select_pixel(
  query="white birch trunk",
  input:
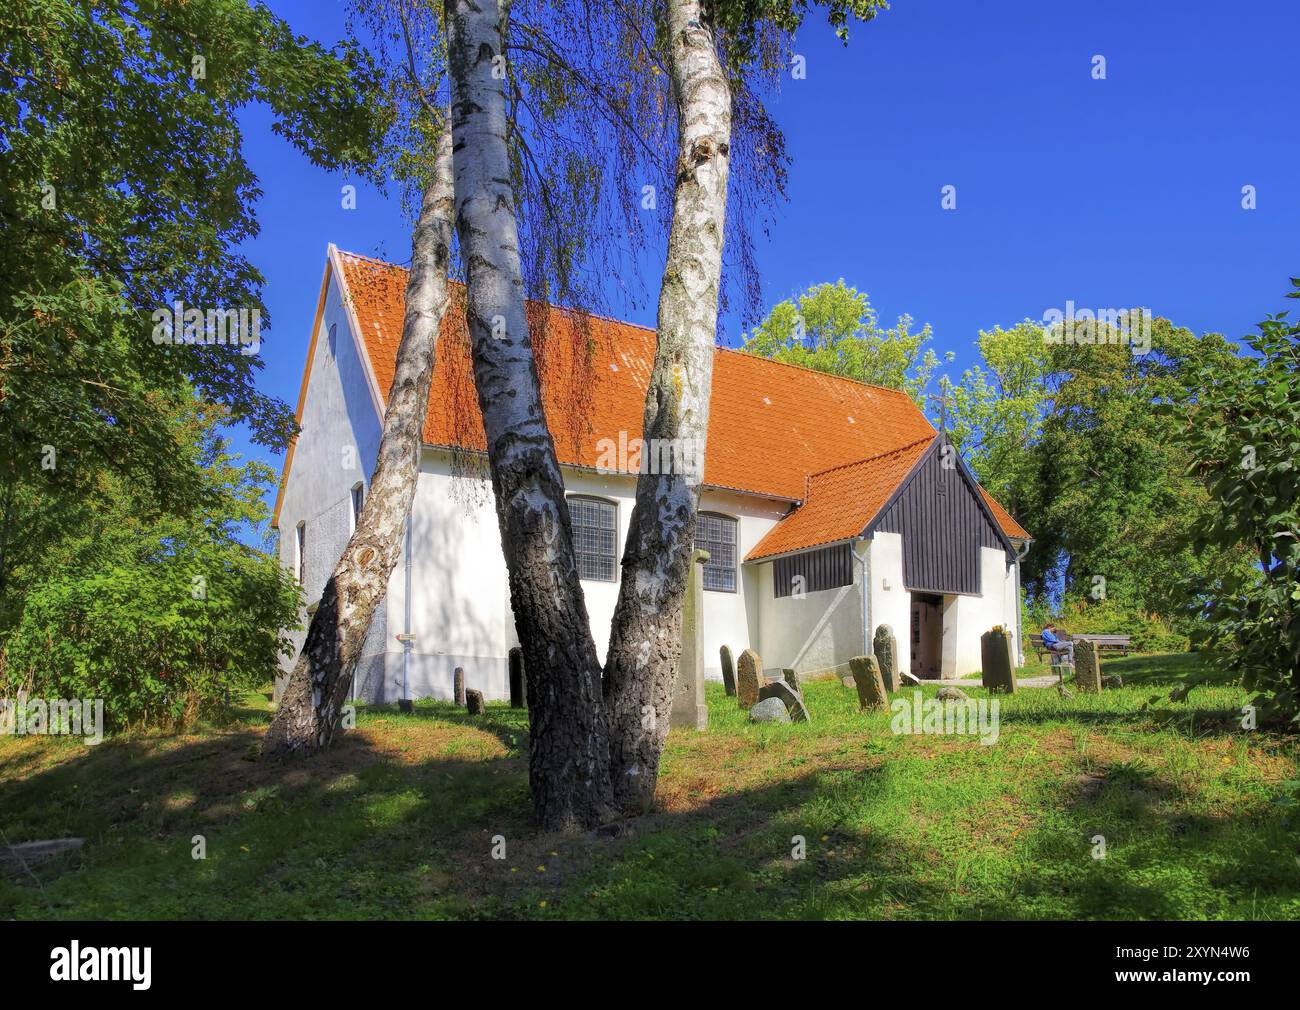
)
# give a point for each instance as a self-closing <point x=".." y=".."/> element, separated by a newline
<point x="645" y="640"/>
<point x="568" y="749"/>
<point x="313" y="701"/>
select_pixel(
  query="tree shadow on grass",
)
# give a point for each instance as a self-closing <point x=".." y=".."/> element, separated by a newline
<point x="369" y="830"/>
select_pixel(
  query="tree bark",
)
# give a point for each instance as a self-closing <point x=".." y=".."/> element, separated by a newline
<point x="318" y="688"/>
<point x="568" y="751"/>
<point x="645" y="640"/>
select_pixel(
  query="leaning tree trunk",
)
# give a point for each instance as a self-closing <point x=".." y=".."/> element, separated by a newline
<point x="645" y="640"/>
<point x="568" y="766"/>
<point x="318" y="687"/>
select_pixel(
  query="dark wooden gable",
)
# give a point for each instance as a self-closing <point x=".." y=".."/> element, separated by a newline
<point x="944" y="522"/>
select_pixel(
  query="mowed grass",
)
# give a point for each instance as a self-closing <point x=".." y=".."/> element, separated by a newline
<point x="401" y="818"/>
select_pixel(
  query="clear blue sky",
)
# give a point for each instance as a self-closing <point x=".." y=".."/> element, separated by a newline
<point x="1118" y="193"/>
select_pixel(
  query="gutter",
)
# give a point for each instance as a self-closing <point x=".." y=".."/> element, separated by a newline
<point x="1021" y="550"/>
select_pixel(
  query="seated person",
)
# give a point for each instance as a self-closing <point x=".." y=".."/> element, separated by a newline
<point x="1054" y="645"/>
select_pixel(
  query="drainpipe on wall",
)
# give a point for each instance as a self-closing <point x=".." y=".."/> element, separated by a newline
<point x="865" y="560"/>
<point x="1021" y="551"/>
<point x="408" y="638"/>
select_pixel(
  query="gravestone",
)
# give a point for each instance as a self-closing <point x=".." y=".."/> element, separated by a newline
<point x="792" y="678"/>
<point x="474" y="702"/>
<point x="728" y="672"/>
<point x="518" y="683"/>
<point x="749" y="678"/>
<point x="769" y="710"/>
<point x="997" y="668"/>
<point x="867" y="679"/>
<point x="1087" y="667"/>
<point x="789" y="697"/>
<point x="458" y="685"/>
<point x="689" y="710"/>
<point x="885" y="647"/>
<point x="952" y="694"/>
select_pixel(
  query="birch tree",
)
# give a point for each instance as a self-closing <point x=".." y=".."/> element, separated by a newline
<point x="568" y="757"/>
<point x="318" y="687"/>
<point x="645" y="640"/>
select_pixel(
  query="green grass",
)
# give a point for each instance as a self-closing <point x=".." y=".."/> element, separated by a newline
<point x="399" y="819"/>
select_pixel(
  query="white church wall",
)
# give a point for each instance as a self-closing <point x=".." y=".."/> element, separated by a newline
<point x="891" y="603"/>
<point x="817" y="632"/>
<point x="732" y="619"/>
<point x="336" y="448"/>
<point x="460" y="593"/>
<point x="973" y="615"/>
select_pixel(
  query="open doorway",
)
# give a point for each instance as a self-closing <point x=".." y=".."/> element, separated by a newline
<point x="927" y="635"/>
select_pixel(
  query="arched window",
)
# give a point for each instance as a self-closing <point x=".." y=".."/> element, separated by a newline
<point x="717" y="534"/>
<point x="595" y="537"/>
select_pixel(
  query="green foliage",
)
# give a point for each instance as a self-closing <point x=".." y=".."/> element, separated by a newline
<point x="163" y="617"/>
<point x="1240" y="425"/>
<point x="998" y="407"/>
<point x="833" y="328"/>
<point x="1083" y="616"/>
<point x="123" y="162"/>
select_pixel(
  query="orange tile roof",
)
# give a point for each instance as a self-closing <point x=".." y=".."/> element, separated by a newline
<point x="841" y="502"/>
<point x="1008" y="523"/>
<point x="771" y="425"/>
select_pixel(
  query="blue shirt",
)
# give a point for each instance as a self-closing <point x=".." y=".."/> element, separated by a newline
<point x="1049" y="638"/>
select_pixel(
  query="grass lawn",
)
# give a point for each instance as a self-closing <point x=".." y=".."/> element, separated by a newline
<point x="1199" y="818"/>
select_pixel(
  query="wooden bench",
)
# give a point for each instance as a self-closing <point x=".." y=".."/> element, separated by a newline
<point x="1121" y="644"/>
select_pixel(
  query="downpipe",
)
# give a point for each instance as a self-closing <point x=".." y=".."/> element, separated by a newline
<point x="864" y="559"/>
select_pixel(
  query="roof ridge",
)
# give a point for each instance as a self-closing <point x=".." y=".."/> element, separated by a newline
<point x="868" y="459"/>
<point x="652" y="329"/>
<point x="816" y="371"/>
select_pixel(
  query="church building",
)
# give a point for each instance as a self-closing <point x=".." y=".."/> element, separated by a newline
<point x="828" y="508"/>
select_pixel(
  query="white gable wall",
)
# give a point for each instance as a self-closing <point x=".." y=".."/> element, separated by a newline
<point x="339" y="413"/>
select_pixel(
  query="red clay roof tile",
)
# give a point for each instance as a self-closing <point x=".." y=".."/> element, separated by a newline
<point x="771" y="425"/>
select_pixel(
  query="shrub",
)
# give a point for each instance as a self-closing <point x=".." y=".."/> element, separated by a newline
<point x="163" y="635"/>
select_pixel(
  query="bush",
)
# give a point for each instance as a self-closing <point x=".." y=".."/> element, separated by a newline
<point x="162" y="636"/>
<point x="1083" y="616"/>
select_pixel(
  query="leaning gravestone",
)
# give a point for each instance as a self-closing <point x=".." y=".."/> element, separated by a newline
<point x="689" y="710"/>
<point x="728" y="671"/>
<point x="518" y="684"/>
<point x="458" y="686"/>
<point x="749" y="677"/>
<point x="997" y="668"/>
<point x="792" y="678"/>
<point x="885" y="647"/>
<point x="1087" y="667"/>
<point x="870" y="685"/>
<point x="474" y="702"/>
<point x="789" y="697"/>
<point x="769" y="710"/>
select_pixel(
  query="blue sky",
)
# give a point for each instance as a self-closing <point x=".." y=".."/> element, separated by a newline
<point x="1112" y="193"/>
